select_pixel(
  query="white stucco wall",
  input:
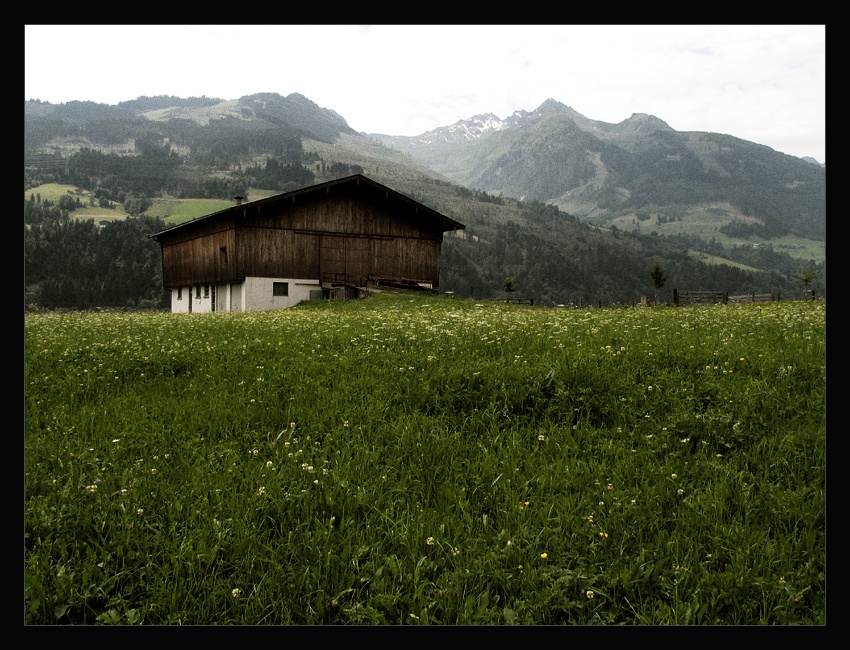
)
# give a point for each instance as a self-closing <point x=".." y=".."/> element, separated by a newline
<point x="259" y="293"/>
<point x="227" y="297"/>
<point x="181" y="305"/>
<point x="189" y="301"/>
<point x="254" y="294"/>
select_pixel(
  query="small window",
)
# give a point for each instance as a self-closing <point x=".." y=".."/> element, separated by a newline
<point x="223" y="253"/>
<point x="179" y="293"/>
<point x="280" y="289"/>
<point x="206" y="291"/>
<point x="197" y="291"/>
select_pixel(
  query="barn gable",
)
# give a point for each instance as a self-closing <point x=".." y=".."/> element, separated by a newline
<point x="303" y="244"/>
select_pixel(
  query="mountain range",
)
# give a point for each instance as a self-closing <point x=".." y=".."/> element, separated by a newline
<point x="550" y="183"/>
<point x="610" y="173"/>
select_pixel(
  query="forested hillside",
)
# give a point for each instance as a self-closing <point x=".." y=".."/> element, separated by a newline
<point x="80" y="264"/>
<point x="557" y="259"/>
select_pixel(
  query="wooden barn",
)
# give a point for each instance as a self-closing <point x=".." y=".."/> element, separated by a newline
<point x="324" y="241"/>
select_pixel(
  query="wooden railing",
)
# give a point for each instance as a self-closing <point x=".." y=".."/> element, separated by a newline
<point x="341" y="279"/>
<point x="402" y="283"/>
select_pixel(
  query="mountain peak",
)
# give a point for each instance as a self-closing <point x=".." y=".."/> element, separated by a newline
<point x="554" y="107"/>
<point x="646" y="121"/>
<point x="551" y="105"/>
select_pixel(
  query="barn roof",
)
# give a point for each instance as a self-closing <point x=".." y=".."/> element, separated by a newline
<point x="356" y="179"/>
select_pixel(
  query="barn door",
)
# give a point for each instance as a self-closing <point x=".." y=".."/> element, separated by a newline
<point x="344" y="260"/>
<point x="332" y="267"/>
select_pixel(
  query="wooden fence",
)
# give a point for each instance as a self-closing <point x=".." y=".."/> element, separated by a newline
<point x="700" y="297"/>
<point x="755" y="297"/>
<point x="719" y="297"/>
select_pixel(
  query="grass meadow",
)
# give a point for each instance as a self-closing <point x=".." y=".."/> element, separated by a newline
<point x="416" y="459"/>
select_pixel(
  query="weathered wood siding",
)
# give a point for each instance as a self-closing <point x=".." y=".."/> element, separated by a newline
<point x="346" y="231"/>
<point x="205" y="255"/>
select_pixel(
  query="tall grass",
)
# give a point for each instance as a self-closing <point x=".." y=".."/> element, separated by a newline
<point x="412" y="459"/>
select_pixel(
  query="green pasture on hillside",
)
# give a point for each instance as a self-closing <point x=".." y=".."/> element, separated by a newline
<point x="175" y="211"/>
<point x="53" y="192"/>
<point x="171" y="210"/>
<point x="415" y="459"/>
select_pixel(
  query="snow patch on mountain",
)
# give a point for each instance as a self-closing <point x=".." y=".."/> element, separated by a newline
<point x="470" y="129"/>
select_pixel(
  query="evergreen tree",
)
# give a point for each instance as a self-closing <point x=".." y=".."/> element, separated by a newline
<point x="659" y="277"/>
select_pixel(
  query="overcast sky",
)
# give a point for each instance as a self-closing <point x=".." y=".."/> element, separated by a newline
<point x="766" y="84"/>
